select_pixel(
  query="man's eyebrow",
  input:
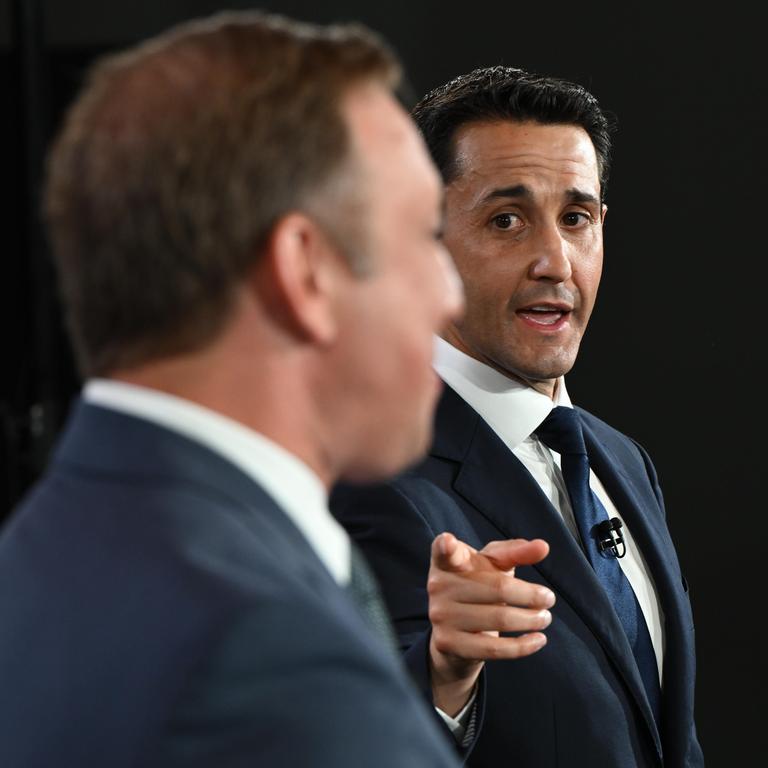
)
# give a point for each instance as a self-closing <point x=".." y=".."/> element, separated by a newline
<point x="580" y="196"/>
<point x="572" y="195"/>
<point x="518" y="190"/>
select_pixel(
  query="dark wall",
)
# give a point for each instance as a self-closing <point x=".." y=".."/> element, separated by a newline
<point x="674" y="352"/>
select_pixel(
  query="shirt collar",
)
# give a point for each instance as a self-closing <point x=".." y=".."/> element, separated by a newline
<point x="297" y="490"/>
<point x="512" y="409"/>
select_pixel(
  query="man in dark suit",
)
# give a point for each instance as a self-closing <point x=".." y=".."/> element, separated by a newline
<point x="525" y="162"/>
<point x="244" y="223"/>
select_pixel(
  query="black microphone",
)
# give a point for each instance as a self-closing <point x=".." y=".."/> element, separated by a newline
<point x="609" y="538"/>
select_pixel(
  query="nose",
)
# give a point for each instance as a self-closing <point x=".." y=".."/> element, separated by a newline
<point x="454" y="287"/>
<point x="551" y="256"/>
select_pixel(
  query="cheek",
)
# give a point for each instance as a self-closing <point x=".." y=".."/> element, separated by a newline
<point x="491" y="264"/>
<point x="469" y="257"/>
<point x="489" y="291"/>
<point x="587" y="279"/>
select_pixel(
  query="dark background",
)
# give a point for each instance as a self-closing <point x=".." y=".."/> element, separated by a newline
<point x="676" y="344"/>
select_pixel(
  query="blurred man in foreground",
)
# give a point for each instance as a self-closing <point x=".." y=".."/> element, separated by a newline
<point x="245" y="226"/>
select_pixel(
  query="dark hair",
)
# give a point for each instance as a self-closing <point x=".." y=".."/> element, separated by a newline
<point x="504" y="93"/>
<point x="177" y="159"/>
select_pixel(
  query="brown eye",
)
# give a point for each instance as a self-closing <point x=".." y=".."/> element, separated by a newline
<point x="574" y="218"/>
<point x="505" y="220"/>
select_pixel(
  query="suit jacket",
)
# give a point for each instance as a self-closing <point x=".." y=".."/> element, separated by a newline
<point x="579" y="701"/>
<point x="158" y="609"/>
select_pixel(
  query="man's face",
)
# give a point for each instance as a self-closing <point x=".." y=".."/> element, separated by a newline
<point x="524" y="226"/>
<point x="412" y="291"/>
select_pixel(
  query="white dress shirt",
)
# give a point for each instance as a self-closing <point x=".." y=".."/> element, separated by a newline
<point x="513" y="411"/>
<point x="296" y="489"/>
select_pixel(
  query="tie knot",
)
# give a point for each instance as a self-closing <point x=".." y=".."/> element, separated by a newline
<point x="561" y="431"/>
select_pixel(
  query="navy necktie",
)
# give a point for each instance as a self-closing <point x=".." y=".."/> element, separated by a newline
<point x="561" y="431"/>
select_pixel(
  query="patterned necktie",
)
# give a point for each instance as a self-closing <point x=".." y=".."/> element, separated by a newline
<point x="561" y="431"/>
<point x="364" y="590"/>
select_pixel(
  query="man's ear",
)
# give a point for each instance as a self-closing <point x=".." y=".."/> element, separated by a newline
<point x="603" y="213"/>
<point x="298" y="278"/>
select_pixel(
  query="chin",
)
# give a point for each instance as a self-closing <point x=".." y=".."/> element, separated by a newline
<point x="546" y="369"/>
<point x="549" y="374"/>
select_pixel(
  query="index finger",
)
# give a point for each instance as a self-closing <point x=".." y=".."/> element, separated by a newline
<point x="507" y="554"/>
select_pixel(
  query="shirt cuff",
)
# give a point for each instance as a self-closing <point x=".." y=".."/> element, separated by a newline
<point x="458" y="724"/>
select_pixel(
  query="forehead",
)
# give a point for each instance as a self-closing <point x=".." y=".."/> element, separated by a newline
<point x="503" y="153"/>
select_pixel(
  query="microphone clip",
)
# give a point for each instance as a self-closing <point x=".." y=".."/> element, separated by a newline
<point x="609" y="538"/>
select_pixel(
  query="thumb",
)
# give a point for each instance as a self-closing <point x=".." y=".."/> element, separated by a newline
<point x="507" y="554"/>
<point x="450" y="554"/>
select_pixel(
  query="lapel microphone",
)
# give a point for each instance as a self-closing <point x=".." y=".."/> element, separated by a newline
<point x="609" y="538"/>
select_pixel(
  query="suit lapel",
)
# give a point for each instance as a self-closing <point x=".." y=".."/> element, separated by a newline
<point x="648" y="530"/>
<point x="644" y="518"/>
<point x="489" y="474"/>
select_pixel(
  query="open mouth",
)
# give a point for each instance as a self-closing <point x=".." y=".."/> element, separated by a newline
<point x="545" y="315"/>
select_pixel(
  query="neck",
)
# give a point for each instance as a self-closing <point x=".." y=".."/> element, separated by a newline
<point x="546" y="387"/>
<point x="254" y="395"/>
